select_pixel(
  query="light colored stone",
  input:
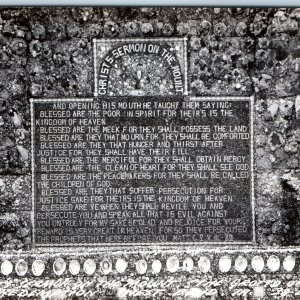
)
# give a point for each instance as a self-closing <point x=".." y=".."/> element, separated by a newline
<point x="273" y="263"/>
<point x="286" y="107"/>
<point x="105" y="266"/>
<point x="297" y="107"/>
<point x="259" y="292"/>
<point x="89" y="266"/>
<point x="289" y="263"/>
<point x="23" y="152"/>
<point x="121" y="265"/>
<point x="2" y="185"/>
<point x="6" y="267"/>
<point x="241" y="264"/>
<point x="17" y="119"/>
<point x="273" y="109"/>
<point x="59" y="266"/>
<point x="204" y="264"/>
<point x="141" y="266"/>
<point x="188" y="264"/>
<point x="38" y="267"/>
<point x="156" y="266"/>
<point x="172" y="264"/>
<point x="74" y="267"/>
<point x="21" y="267"/>
<point x="257" y="263"/>
<point x="225" y="264"/>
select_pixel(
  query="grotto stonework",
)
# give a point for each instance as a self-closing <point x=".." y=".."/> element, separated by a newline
<point x="254" y="53"/>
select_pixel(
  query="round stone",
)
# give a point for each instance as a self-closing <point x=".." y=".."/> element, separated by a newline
<point x="6" y="267"/>
<point x="89" y="267"/>
<point x="241" y="264"/>
<point x="21" y="267"/>
<point x="105" y="266"/>
<point x="225" y="264"/>
<point x="59" y="266"/>
<point x="141" y="266"/>
<point x="257" y="263"/>
<point x="38" y="267"/>
<point x="156" y="266"/>
<point x="17" y="185"/>
<point x="74" y="267"/>
<point x="289" y="263"/>
<point x="188" y="264"/>
<point x="172" y="264"/>
<point x="204" y="264"/>
<point x="273" y="263"/>
<point x="121" y="265"/>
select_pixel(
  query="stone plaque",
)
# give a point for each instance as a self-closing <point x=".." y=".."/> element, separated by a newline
<point x="142" y="170"/>
<point x="156" y="66"/>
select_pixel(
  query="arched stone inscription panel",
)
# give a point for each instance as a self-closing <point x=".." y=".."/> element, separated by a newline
<point x="140" y="67"/>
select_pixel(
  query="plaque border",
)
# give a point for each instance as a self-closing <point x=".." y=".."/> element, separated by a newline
<point x="179" y="39"/>
<point x="154" y="244"/>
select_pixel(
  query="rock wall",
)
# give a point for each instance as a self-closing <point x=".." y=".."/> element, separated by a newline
<point x="47" y="53"/>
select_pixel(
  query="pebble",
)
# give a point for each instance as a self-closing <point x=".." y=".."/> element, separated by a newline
<point x="2" y="185"/>
<point x="23" y="152"/>
<point x="17" y="119"/>
<point x="273" y="109"/>
<point x="297" y="107"/>
<point x="50" y="63"/>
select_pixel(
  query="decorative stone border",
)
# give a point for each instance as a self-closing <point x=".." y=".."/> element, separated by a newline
<point x="206" y="262"/>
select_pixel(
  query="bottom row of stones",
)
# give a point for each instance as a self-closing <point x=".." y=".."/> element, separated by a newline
<point x="141" y="266"/>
